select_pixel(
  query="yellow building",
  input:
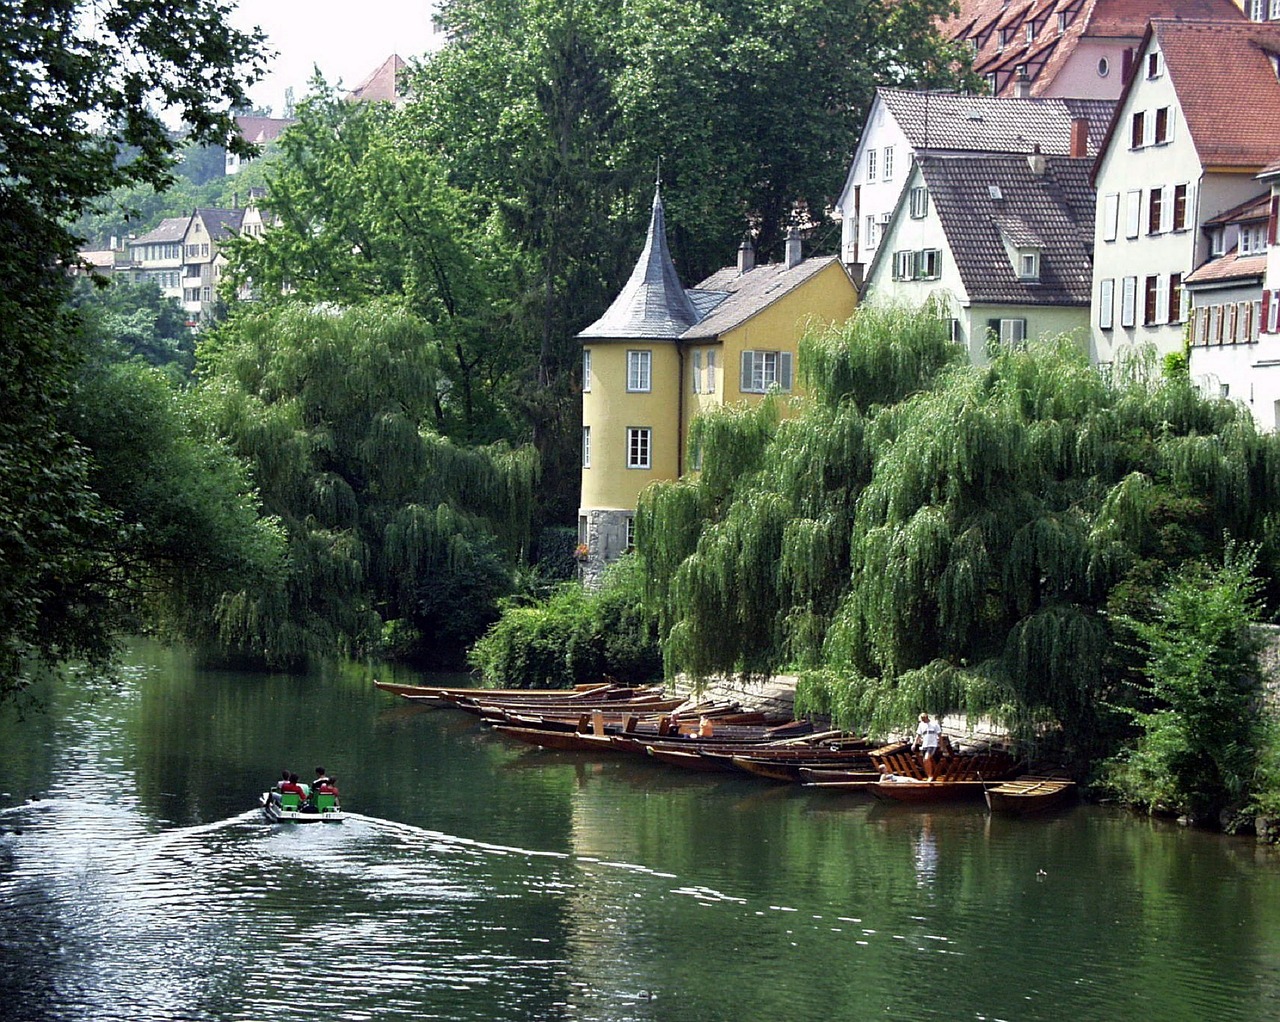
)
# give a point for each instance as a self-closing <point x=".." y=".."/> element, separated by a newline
<point x="662" y="353"/>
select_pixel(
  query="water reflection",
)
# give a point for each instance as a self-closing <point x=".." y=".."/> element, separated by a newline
<point x="477" y="879"/>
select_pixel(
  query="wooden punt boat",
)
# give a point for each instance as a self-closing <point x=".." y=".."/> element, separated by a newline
<point x="1030" y="794"/>
<point x="687" y="759"/>
<point x="616" y="708"/>
<point x="917" y="791"/>
<point x="562" y="741"/>
<point x="446" y="694"/>
<point x="827" y="775"/>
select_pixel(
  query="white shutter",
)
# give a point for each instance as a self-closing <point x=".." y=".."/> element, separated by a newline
<point x="1133" y="214"/>
<point x="1162" y="299"/>
<point x="784" y="370"/>
<point x="1110" y="216"/>
<point x="744" y="379"/>
<point x="697" y="372"/>
<point x="1128" y="300"/>
<point x="1166" y="208"/>
<point x="1106" y="304"/>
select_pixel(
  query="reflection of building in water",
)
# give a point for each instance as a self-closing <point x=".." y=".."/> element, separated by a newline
<point x="926" y="853"/>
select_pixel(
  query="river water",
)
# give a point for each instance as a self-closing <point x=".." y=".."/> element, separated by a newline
<point x="475" y="879"/>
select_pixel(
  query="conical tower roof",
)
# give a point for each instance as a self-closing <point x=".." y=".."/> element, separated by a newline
<point x="653" y="305"/>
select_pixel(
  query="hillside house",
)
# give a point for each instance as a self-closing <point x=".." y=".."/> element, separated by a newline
<point x="661" y="354"/>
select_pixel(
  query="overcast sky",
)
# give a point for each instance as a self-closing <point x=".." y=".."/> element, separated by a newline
<point x="347" y="38"/>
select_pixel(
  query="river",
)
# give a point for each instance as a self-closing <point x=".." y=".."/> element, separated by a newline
<point x="475" y="879"/>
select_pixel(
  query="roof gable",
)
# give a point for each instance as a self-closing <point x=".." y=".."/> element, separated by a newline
<point x="382" y="84"/>
<point x="1225" y="77"/>
<point x="747" y="294"/>
<point x="987" y="203"/>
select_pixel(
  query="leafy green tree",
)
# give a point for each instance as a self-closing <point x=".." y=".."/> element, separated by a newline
<point x="574" y="636"/>
<point x="335" y="411"/>
<point x="1204" y="729"/>
<point x="360" y="214"/>
<point x="928" y="534"/>
<point x="136" y="320"/>
<point x="67" y="69"/>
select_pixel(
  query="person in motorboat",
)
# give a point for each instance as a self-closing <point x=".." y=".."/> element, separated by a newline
<point x="279" y="786"/>
<point x="322" y="777"/>
<point x="291" y="786"/>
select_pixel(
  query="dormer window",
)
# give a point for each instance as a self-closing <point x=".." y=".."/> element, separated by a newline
<point x="1062" y="22"/>
<point x="1003" y="40"/>
<point x="1154" y="66"/>
<point x="1028" y="264"/>
<point x="1031" y="32"/>
<point x="1217" y="241"/>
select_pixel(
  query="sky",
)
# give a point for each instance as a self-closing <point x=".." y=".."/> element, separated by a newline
<point x="348" y="39"/>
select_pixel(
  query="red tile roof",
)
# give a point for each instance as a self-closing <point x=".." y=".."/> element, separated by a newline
<point x="261" y="130"/>
<point x="1225" y="77"/>
<point x="1046" y="55"/>
<point x="1257" y="208"/>
<point x="1229" y="267"/>
<point x="383" y="84"/>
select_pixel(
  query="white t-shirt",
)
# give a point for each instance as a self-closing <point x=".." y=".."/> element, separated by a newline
<point x="929" y="730"/>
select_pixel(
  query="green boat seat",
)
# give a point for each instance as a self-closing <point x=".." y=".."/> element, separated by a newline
<point x="290" y="801"/>
<point x="326" y="803"/>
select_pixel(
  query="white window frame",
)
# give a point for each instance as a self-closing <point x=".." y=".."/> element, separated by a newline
<point x="1273" y="10"/>
<point x="1106" y="303"/>
<point x="631" y="532"/>
<point x="586" y="446"/>
<point x="1257" y="10"/>
<point x="762" y="371"/>
<point x="904" y="264"/>
<point x="1028" y="265"/>
<point x="919" y="202"/>
<point x="1128" y="301"/>
<point x="871" y="164"/>
<point x="639" y="371"/>
<point x="586" y="370"/>
<point x="639" y="447"/>
<point x="871" y="230"/>
<point x="886" y="173"/>
<point x="1155" y="66"/>
<point x="710" y="387"/>
<point x="929" y="264"/>
<point x="1013" y="331"/>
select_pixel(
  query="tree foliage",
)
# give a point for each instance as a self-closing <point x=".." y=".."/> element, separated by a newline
<point x="334" y="409"/>
<point x="79" y="84"/>
<point x="1202" y="727"/>
<point x="928" y="534"/>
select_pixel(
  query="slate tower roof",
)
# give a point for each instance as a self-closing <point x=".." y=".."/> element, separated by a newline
<point x="653" y="304"/>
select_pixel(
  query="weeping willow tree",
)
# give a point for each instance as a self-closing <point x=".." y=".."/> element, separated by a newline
<point x="387" y="521"/>
<point x="926" y="534"/>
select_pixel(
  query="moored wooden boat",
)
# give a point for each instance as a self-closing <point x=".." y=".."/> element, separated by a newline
<point x="826" y="775"/>
<point x="914" y="790"/>
<point x="1030" y="794"/>
<point x="445" y="693"/>
<point x="563" y="741"/>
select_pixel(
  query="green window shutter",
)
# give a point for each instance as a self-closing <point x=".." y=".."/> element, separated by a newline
<point x="784" y="370"/>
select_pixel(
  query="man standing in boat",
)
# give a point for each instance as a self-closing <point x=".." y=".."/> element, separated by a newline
<point x="928" y="733"/>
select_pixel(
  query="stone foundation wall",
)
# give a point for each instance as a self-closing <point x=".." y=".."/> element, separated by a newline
<point x="606" y="541"/>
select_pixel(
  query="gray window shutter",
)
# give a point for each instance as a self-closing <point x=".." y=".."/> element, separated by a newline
<point x="784" y="370"/>
<point x="744" y="380"/>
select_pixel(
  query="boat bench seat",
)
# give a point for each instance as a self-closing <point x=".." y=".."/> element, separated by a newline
<point x="326" y="803"/>
<point x="290" y="801"/>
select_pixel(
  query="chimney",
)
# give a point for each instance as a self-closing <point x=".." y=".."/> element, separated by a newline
<point x="1022" y="83"/>
<point x="793" y="247"/>
<point x="1036" y="161"/>
<point x="746" y="256"/>
<point x="1079" y="138"/>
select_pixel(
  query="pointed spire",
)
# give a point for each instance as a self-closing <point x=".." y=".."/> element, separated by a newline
<point x="653" y="303"/>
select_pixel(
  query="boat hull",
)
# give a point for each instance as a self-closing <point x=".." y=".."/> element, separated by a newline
<point x="924" y="792"/>
<point x="1030" y="795"/>
<point x="275" y="814"/>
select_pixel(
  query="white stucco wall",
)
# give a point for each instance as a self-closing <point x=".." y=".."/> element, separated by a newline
<point x="862" y="198"/>
<point x="1079" y="77"/>
<point x="1250" y="372"/>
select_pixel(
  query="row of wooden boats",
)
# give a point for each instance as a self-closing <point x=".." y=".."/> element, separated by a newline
<point x="706" y="735"/>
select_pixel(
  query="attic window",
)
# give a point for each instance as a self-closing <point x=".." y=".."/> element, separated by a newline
<point x="1062" y="22"/>
<point x="1031" y="32"/>
<point x="1028" y="264"/>
<point x="993" y="191"/>
<point x="1153" y="65"/>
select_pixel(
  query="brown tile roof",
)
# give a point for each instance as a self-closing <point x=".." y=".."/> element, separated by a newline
<point x="1227" y="86"/>
<point x="383" y="84"/>
<point x="221" y="223"/>
<point x="1257" y="208"/>
<point x="1229" y="267"/>
<point x="171" y="229"/>
<point x="982" y="200"/>
<point x="261" y="130"/>
<point x="1048" y="52"/>
<point x="746" y="294"/>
